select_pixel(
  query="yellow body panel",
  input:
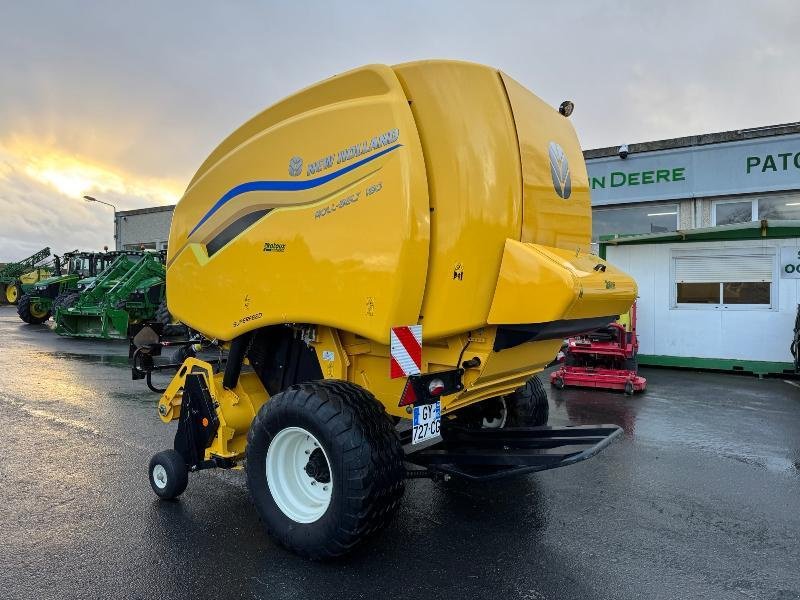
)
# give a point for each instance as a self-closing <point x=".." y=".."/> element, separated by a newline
<point x="549" y="219"/>
<point x="365" y="362"/>
<point x="236" y="408"/>
<point x="579" y="286"/>
<point x="345" y="241"/>
<point x="436" y="193"/>
<point x="34" y="276"/>
<point x="472" y="162"/>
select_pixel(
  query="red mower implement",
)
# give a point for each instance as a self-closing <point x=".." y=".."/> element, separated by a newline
<point x="604" y="359"/>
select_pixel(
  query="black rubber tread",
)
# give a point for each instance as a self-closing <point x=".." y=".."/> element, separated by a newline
<point x="24" y="311"/>
<point x="528" y="406"/>
<point x="163" y="315"/>
<point x="366" y="459"/>
<point x="177" y="474"/>
<point x="181" y="354"/>
<point x="64" y="300"/>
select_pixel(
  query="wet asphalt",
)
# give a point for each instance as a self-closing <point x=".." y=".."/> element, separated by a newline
<point x="700" y="499"/>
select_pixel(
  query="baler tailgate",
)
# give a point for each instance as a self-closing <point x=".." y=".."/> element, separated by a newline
<point x="486" y="454"/>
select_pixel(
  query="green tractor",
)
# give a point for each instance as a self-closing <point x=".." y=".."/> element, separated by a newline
<point x="16" y="278"/>
<point x="129" y="291"/>
<point x="74" y="271"/>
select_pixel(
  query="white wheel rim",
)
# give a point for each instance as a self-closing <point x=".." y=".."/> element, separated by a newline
<point x="160" y="477"/>
<point x="496" y="423"/>
<point x="301" y="497"/>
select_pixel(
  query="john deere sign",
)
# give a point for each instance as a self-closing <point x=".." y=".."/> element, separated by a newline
<point x="621" y="178"/>
<point x="750" y="166"/>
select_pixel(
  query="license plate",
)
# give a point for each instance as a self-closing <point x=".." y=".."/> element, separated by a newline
<point x="427" y="422"/>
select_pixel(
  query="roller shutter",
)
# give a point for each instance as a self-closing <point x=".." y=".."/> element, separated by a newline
<point x="724" y="268"/>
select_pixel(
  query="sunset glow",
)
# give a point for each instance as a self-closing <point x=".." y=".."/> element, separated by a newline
<point x="74" y="176"/>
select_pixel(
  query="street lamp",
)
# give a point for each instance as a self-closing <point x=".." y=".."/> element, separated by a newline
<point x="93" y="199"/>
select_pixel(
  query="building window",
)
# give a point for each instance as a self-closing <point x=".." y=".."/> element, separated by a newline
<point x="646" y="218"/>
<point x="735" y="279"/>
<point x="746" y="292"/>
<point x="779" y="208"/>
<point x="726" y="212"/>
<point x="140" y="246"/>
<point x="698" y="293"/>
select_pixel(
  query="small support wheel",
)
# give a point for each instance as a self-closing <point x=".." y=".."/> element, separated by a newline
<point x="629" y="388"/>
<point x="558" y="383"/>
<point x="168" y="474"/>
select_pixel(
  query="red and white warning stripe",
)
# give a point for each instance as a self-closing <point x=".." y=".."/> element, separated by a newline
<point x="406" y="351"/>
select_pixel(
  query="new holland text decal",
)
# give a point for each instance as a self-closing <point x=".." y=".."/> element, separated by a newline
<point x="354" y="151"/>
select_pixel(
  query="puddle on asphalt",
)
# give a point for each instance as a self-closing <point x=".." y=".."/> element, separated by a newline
<point x="719" y="430"/>
<point x="142" y="396"/>
<point x="105" y="359"/>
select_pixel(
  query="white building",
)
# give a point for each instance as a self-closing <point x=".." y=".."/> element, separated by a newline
<point x="723" y="297"/>
<point x="146" y="228"/>
<point x="716" y="258"/>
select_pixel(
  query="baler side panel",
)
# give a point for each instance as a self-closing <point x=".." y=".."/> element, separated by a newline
<point x="549" y="219"/>
<point x="341" y="241"/>
<point x="474" y="182"/>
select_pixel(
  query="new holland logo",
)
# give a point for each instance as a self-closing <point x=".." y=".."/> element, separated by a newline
<point x="295" y="166"/>
<point x="559" y="169"/>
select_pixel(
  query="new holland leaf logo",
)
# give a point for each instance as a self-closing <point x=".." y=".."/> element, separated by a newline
<point x="295" y="166"/>
<point x="559" y="169"/>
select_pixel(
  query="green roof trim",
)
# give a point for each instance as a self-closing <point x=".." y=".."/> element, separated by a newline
<point x="753" y="230"/>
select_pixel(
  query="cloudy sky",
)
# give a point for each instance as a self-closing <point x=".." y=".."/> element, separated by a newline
<point x="123" y="101"/>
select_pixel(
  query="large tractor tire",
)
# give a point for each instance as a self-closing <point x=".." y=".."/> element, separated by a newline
<point x="163" y="316"/>
<point x="13" y="292"/>
<point x="64" y="300"/>
<point x="31" y="312"/>
<point x="324" y="467"/>
<point x="526" y="407"/>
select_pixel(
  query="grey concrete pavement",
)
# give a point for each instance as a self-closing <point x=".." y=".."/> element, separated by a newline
<point x="701" y="499"/>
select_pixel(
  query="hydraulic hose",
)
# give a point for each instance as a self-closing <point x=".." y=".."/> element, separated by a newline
<point x="233" y="367"/>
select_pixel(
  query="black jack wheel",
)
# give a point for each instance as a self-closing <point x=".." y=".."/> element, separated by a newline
<point x="168" y="474"/>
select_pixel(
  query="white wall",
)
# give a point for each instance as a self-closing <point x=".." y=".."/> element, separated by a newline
<point x="748" y="334"/>
<point x="143" y="228"/>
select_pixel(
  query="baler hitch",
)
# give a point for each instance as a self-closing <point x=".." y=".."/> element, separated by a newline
<point x="146" y="343"/>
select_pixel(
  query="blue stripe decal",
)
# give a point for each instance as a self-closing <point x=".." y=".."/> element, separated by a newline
<point x="286" y="186"/>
